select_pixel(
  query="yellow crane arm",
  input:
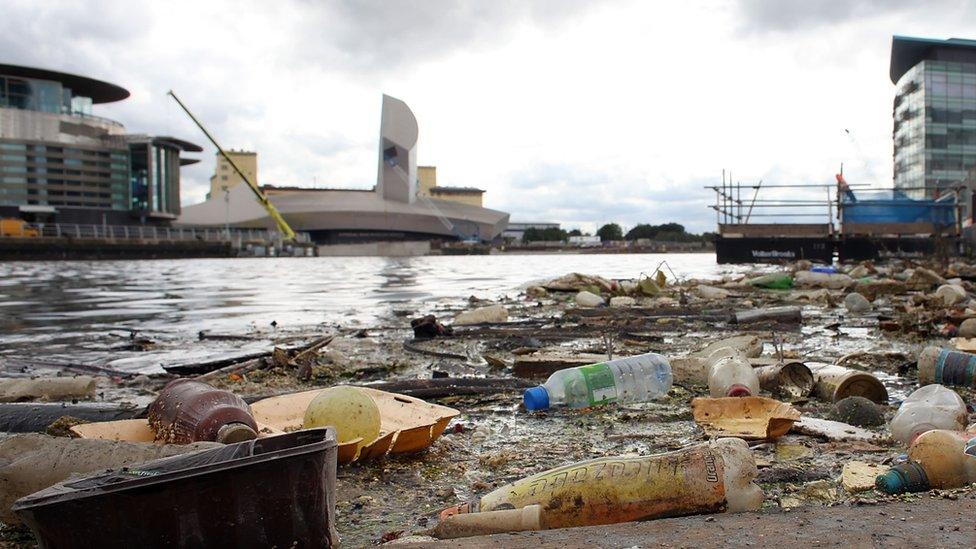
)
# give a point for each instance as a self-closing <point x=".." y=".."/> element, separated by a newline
<point x="283" y="225"/>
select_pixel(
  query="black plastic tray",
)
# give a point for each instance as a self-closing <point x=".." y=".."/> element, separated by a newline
<point x="276" y="491"/>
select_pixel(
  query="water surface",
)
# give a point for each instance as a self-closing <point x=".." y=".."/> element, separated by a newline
<point x="87" y="311"/>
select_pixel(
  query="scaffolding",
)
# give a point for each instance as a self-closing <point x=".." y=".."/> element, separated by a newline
<point x="855" y="221"/>
<point x="846" y="208"/>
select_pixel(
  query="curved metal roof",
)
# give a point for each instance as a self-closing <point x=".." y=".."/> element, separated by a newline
<point x="907" y="51"/>
<point x="345" y="210"/>
<point x="181" y="144"/>
<point x="99" y="91"/>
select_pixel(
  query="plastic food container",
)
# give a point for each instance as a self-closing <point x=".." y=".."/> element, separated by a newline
<point x="275" y="491"/>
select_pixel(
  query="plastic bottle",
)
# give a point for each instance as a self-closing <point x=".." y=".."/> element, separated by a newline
<point x="632" y="379"/>
<point x="463" y="525"/>
<point x="731" y="374"/>
<point x="937" y="459"/>
<point x="928" y="408"/>
<point x="774" y="281"/>
<point x="190" y="411"/>
<point x="705" y="478"/>
<point x="936" y="365"/>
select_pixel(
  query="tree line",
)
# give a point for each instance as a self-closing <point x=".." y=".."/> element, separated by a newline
<point x="665" y="232"/>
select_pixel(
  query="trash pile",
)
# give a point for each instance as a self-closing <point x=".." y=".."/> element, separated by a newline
<point x="583" y="401"/>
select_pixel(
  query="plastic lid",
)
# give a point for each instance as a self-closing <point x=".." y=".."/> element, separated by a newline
<point x="907" y="477"/>
<point x="536" y="398"/>
<point x="235" y="432"/>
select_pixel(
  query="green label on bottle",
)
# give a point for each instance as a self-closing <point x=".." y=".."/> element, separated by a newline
<point x="600" y="387"/>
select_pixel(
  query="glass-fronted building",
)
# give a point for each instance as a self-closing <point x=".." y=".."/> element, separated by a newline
<point x="59" y="163"/>
<point x="155" y="174"/>
<point x="934" y="113"/>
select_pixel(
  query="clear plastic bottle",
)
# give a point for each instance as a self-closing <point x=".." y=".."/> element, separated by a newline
<point x="931" y="407"/>
<point x="632" y="379"/>
<point x="731" y="374"/>
<point x="937" y="459"/>
<point x="705" y="478"/>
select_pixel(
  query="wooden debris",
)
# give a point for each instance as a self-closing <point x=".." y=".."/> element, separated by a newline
<point x="541" y="365"/>
<point x="35" y="418"/>
<point x="834" y="430"/>
<point x="239" y="368"/>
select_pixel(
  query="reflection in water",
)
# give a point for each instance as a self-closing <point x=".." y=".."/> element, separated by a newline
<point x="85" y="311"/>
<point x="398" y="277"/>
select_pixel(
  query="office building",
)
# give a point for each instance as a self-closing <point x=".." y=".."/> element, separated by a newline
<point x="61" y="163"/>
<point x="226" y="177"/>
<point x="934" y="113"/>
<point x="427" y="186"/>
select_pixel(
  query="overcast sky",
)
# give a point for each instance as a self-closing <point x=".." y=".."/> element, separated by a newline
<point x="563" y="110"/>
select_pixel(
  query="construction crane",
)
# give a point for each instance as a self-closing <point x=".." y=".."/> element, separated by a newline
<point x="287" y="232"/>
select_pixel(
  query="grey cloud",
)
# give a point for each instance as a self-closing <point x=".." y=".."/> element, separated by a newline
<point x="69" y="36"/>
<point x="789" y="15"/>
<point x="368" y="39"/>
<point x="379" y="35"/>
<point x="362" y="38"/>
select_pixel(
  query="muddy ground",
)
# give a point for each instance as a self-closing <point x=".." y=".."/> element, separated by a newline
<point x="937" y="521"/>
<point x="495" y="440"/>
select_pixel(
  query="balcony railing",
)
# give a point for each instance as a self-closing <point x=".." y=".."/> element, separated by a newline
<point x="145" y="233"/>
<point x="79" y="114"/>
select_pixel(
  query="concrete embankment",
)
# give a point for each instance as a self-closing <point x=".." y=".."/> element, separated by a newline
<point x="43" y="248"/>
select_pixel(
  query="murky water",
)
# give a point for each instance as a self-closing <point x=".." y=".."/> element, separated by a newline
<point x="87" y="311"/>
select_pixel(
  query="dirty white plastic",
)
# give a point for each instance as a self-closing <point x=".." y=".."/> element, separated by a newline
<point x="741" y="493"/>
<point x="931" y="407"/>
<point x="47" y="388"/>
<point x="833" y="281"/>
<point x="483" y="315"/>
<point x="705" y="478"/>
<point x="941" y="453"/>
<point x="528" y="518"/>
<point x="624" y="380"/>
<point x="731" y="374"/>
<point x="951" y="294"/>
<point x="588" y="299"/>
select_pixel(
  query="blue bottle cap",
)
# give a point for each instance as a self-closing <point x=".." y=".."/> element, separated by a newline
<point x="536" y="398"/>
<point x="907" y="477"/>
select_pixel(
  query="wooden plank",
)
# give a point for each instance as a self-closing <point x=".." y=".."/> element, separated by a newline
<point x="774" y="229"/>
<point x="542" y="365"/>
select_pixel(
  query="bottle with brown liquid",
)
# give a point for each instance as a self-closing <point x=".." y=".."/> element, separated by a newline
<point x="190" y="411"/>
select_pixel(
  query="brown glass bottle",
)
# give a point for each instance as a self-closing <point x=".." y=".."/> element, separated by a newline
<point x="190" y="411"/>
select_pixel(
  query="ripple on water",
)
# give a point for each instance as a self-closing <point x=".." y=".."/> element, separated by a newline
<point x="71" y="307"/>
